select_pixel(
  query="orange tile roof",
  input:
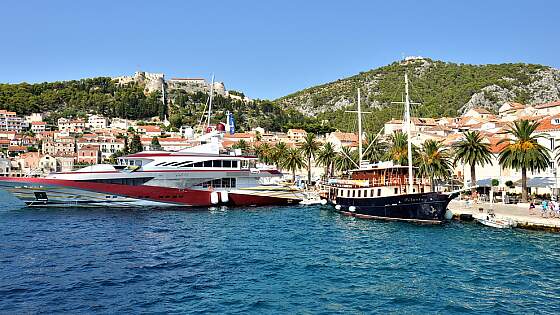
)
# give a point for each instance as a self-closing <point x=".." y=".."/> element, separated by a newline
<point x="547" y="125"/>
<point x="546" y="105"/>
<point x="89" y="147"/>
<point x="345" y="136"/>
<point x="494" y="146"/>
<point x="297" y="130"/>
<point x="239" y="135"/>
<point x="149" y="128"/>
<point x="517" y="105"/>
<point x="17" y="148"/>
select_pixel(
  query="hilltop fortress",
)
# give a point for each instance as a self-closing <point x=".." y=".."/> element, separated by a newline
<point x="157" y="82"/>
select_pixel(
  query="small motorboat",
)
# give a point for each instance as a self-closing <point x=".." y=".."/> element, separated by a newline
<point x="491" y="221"/>
<point x="312" y="199"/>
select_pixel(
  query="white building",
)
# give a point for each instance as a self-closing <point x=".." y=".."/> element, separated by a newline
<point x="38" y="126"/>
<point x="120" y="123"/>
<point x="547" y="109"/>
<point x="71" y="125"/>
<point x="9" y="121"/>
<point x="96" y="122"/>
<point x="34" y="117"/>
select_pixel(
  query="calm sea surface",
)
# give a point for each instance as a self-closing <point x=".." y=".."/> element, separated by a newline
<point x="266" y="260"/>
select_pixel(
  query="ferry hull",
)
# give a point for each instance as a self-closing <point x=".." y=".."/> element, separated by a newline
<point x="41" y="192"/>
<point x="423" y="207"/>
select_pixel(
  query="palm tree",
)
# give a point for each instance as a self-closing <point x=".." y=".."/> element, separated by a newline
<point x="346" y="159"/>
<point x="293" y="161"/>
<point x="309" y="148"/>
<point x="473" y="151"/>
<point x="376" y="149"/>
<point x="264" y="152"/>
<point x="433" y="161"/>
<point x="278" y="153"/>
<point x="326" y="157"/>
<point x="398" y="151"/>
<point x="523" y="151"/>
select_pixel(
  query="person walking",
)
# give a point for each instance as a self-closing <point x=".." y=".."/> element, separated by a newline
<point x="544" y="207"/>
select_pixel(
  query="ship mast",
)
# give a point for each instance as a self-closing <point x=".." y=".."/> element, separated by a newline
<point x="210" y="103"/>
<point x="408" y="133"/>
<point x="360" y="144"/>
<point x="360" y="129"/>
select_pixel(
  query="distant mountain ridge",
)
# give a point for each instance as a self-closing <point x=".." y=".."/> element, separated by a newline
<point x="443" y="88"/>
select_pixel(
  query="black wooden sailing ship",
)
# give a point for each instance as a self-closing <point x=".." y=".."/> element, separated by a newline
<point x="387" y="191"/>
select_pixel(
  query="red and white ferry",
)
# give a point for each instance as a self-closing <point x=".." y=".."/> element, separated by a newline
<point x="196" y="177"/>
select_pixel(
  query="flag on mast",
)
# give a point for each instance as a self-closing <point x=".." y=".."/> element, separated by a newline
<point x="230" y="124"/>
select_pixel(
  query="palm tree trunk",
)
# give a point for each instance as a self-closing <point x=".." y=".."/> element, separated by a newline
<point x="309" y="170"/>
<point x="432" y="186"/>
<point x="523" y="184"/>
<point x="473" y="178"/>
<point x="294" y="175"/>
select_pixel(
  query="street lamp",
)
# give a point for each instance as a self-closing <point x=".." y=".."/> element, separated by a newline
<point x="555" y="190"/>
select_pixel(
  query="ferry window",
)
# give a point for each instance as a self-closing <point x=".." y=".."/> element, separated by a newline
<point x="365" y="193"/>
<point x="234" y="164"/>
<point x="348" y="193"/>
<point x="207" y="163"/>
<point x="219" y="183"/>
<point x="359" y="193"/>
<point x="217" y="163"/>
<point x="226" y="163"/>
<point x="396" y="191"/>
<point x="413" y="190"/>
<point x="199" y="164"/>
<point x="353" y="194"/>
<point x="340" y="193"/>
<point x="422" y="189"/>
<point x="379" y="192"/>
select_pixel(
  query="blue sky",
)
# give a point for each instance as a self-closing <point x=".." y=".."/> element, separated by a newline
<point x="265" y="48"/>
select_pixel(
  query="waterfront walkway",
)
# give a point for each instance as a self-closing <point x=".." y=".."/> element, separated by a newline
<point x="520" y="213"/>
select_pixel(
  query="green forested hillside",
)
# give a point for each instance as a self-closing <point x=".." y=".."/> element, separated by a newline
<point x="103" y="96"/>
<point x="444" y="89"/>
<point x="77" y="98"/>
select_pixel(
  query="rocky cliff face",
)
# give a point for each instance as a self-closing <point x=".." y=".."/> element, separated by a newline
<point x="443" y="88"/>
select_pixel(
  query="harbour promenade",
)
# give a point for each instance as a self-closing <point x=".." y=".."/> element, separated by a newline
<point x="520" y="213"/>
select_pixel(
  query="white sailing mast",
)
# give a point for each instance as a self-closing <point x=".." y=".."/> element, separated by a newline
<point x="360" y="129"/>
<point x="360" y="140"/>
<point x="408" y="134"/>
<point x="210" y="103"/>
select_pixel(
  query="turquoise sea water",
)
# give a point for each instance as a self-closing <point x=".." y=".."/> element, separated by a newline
<point x="266" y="260"/>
